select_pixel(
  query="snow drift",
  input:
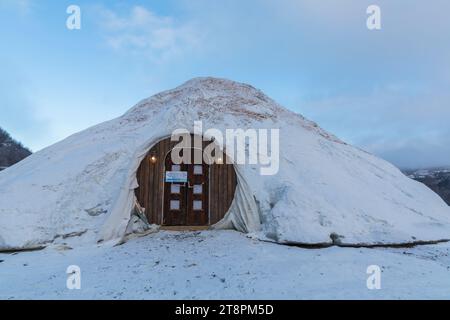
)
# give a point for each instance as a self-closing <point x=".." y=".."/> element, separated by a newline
<point x="325" y="192"/>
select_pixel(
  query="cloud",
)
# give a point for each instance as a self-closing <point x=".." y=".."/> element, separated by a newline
<point x="409" y="129"/>
<point x="386" y="91"/>
<point x="23" y="6"/>
<point x="142" y="32"/>
<point x="414" y="153"/>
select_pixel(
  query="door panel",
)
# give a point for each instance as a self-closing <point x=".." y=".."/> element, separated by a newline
<point x="187" y="203"/>
<point x="175" y="197"/>
<point x="198" y="188"/>
<point x="151" y="191"/>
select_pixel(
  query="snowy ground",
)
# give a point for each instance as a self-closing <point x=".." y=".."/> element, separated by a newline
<point x="224" y="265"/>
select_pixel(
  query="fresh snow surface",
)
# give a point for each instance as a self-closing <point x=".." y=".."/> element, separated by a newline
<point x="224" y="265"/>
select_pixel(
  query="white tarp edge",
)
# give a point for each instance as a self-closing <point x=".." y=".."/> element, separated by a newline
<point x="243" y="214"/>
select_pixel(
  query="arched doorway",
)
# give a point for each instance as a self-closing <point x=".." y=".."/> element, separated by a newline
<point x="192" y="195"/>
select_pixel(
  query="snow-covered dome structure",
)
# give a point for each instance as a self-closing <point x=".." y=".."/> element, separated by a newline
<point x="324" y="192"/>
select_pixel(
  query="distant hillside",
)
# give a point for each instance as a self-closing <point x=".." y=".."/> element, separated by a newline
<point x="11" y="151"/>
<point x="437" y="179"/>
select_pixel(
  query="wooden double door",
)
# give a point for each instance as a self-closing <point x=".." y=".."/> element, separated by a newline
<point x="186" y="203"/>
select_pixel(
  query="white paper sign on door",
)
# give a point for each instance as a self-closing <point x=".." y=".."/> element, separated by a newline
<point x="176" y="176"/>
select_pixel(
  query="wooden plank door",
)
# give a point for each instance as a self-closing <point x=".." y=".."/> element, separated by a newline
<point x="198" y="195"/>
<point x="175" y="197"/>
<point x="187" y="203"/>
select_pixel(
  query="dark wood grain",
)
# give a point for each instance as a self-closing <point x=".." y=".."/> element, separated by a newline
<point x="219" y="185"/>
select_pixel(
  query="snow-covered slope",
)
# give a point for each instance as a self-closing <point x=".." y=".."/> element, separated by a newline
<point x="326" y="191"/>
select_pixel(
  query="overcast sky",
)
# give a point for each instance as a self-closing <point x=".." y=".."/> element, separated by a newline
<point x="387" y="91"/>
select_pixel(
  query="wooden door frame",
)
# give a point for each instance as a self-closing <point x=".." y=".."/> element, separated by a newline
<point x="164" y="181"/>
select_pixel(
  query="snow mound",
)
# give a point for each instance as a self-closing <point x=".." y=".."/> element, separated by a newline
<point x="325" y="192"/>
